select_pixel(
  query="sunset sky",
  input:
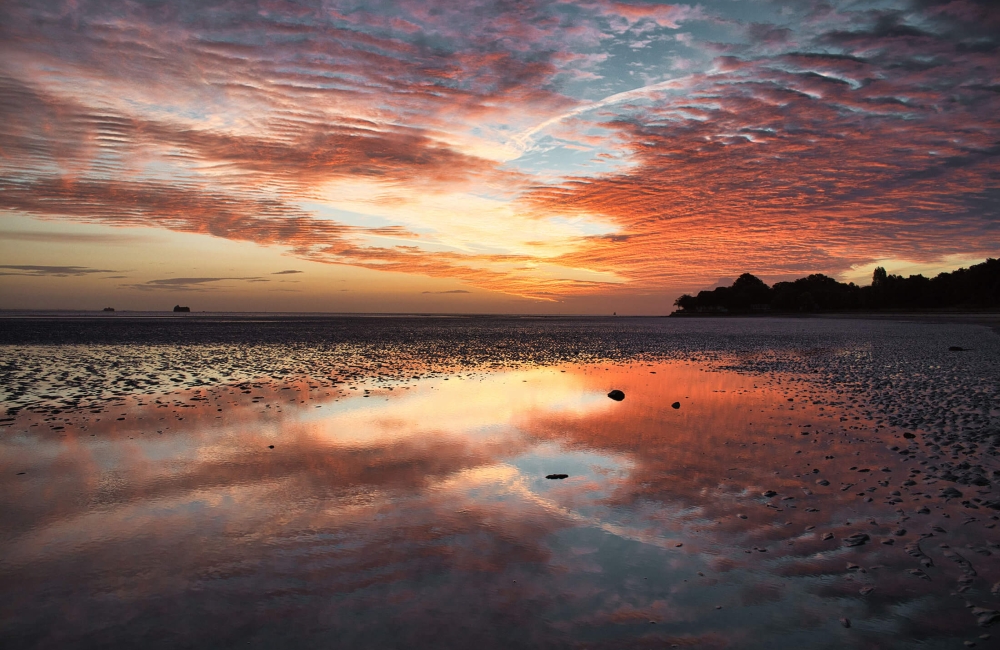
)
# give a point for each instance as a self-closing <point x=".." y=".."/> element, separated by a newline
<point x="486" y="156"/>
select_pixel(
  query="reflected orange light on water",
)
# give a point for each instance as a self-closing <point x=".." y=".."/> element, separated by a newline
<point x="379" y="518"/>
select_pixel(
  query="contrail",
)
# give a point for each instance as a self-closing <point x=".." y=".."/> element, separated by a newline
<point x="522" y="141"/>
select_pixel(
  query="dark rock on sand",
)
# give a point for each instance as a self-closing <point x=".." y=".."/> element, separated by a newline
<point x="985" y="617"/>
<point x="908" y="435"/>
<point x="956" y="348"/>
<point x="616" y="395"/>
<point x="675" y="405"/>
<point x="846" y="622"/>
<point x="769" y="493"/>
<point x="857" y="539"/>
<point x="950" y="493"/>
<point x="557" y="476"/>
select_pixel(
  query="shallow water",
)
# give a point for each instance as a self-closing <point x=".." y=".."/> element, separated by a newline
<point x="383" y="510"/>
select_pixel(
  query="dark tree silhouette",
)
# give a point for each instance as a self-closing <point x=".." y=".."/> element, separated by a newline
<point x="977" y="287"/>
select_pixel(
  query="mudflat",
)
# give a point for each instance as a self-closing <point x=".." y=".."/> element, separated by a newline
<point x="374" y="482"/>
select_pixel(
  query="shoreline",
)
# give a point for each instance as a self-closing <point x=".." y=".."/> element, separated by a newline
<point x="989" y="319"/>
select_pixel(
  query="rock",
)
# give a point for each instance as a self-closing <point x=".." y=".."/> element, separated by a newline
<point x="950" y="493"/>
<point x="956" y="348"/>
<point x="675" y="405"/>
<point x="742" y="516"/>
<point x="924" y="511"/>
<point x="857" y="539"/>
<point x="899" y="532"/>
<point x="270" y="446"/>
<point x="985" y="617"/>
<point x="827" y="536"/>
<point x="178" y="308"/>
<point x="919" y="574"/>
<point x="769" y="493"/>
<point x="867" y="590"/>
<point x="908" y="435"/>
<point x="557" y="476"/>
<point x="823" y="482"/>
<point x="995" y="590"/>
<point x="616" y="395"/>
<point x="846" y="622"/>
<point x="108" y="309"/>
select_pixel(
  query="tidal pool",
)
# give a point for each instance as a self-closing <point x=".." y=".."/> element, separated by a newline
<point x="760" y="513"/>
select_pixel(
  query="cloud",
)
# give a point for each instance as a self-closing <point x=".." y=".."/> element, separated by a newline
<point x="48" y="237"/>
<point x="815" y="138"/>
<point x="452" y="291"/>
<point x="288" y="272"/>
<point x="55" y="271"/>
<point x="185" y="284"/>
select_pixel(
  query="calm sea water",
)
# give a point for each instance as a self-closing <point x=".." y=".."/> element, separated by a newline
<point x="381" y="483"/>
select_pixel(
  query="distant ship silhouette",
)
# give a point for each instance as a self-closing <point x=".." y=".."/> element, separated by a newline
<point x="179" y="308"/>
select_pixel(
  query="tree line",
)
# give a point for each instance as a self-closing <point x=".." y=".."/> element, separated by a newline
<point x="976" y="287"/>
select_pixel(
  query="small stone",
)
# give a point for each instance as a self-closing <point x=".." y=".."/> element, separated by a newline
<point x="985" y="617"/>
<point x="857" y="539"/>
<point x="867" y="590"/>
<point x="827" y="536"/>
<point x="742" y="516"/>
<point x="950" y="493"/>
<point x="616" y="395"/>
<point x="908" y="435"/>
<point x="675" y="405"/>
<point x="270" y="446"/>
<point x="769" y="493"/>
<point x="823" y="482"/>
<point x="846" y="622"/>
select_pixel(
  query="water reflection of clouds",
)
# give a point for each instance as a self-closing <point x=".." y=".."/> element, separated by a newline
<point x="471" y="408"/>
<point x="426" y="505"/>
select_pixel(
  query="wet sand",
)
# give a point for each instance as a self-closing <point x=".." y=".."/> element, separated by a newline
<point x="384" y="486"/>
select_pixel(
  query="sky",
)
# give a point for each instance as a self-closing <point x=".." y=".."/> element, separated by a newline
<point x="507" y="156"/>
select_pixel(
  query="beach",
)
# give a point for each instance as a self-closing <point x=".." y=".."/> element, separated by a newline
<point x="375" y="482"/>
